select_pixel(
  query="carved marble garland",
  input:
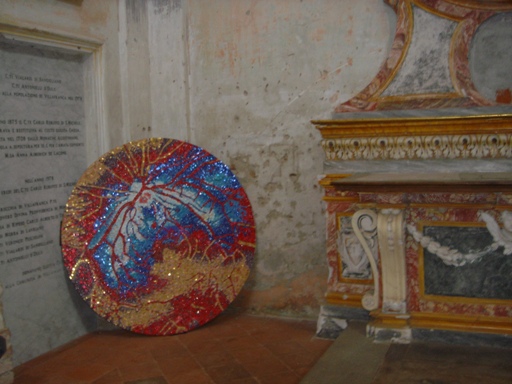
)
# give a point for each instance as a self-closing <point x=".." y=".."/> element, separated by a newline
<point x="386" y="229"/>
<point x="502" y="238"/>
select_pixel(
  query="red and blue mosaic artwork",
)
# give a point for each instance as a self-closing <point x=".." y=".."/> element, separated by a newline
<point x="158" y="236"/>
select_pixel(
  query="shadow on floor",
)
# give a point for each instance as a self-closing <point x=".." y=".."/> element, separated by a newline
<point x="355" y="359"/>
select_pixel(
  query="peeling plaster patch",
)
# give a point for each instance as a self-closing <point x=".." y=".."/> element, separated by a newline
<point x="263" y="200"/>
<point x="318" y="34"/>
<point x="300" y="295"/>
<point x="271" y="266"/>
<point x="334" y="98"/>
<point x="242" y="167"/>
<point x="272" y="187"/>
<point x="77" y="3"/>
<point x="136" y="10"/>
<point x="283" y="249"/>
<point x="272" y="145"/>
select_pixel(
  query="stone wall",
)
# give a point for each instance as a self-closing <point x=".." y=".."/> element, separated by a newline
<point x="242" y="79"/>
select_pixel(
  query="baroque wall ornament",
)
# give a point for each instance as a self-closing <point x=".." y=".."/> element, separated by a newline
<point x="448" y="255"/>
<point x="429" y="65"/>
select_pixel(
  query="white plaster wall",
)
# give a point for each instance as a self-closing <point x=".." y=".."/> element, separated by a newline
<point x="243" y="79"/>
<point x="154" y="69"/>
<point x="259" y="72"/>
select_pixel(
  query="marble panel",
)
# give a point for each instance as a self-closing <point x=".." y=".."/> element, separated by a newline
<point x="486" y="277"/>
<point x="426" y="68"/>
<point x="490" y="58"/>
<point x="42" y="146"/>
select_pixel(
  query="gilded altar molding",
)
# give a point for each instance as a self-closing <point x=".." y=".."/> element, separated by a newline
<point x="458" y="137"/>
<point x="424" y="140"/>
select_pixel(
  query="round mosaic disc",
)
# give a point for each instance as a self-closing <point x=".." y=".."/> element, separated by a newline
<point x="158" y="236"/>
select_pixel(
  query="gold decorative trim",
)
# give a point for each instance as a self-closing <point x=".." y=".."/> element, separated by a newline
<point x="472" y="137"/>
<point x="414" y="126"/>
<point x="387" y="320"/>
<point x="326" y="181"/>
<point x="345" y="299"/>
<point x="417" y="96"/>
<point x="454" y="205"/>
<point x="332" y="199"/>
<point x="442" y="321"/>
<point x="450" y="322"/>
<point x="420" y="147"/>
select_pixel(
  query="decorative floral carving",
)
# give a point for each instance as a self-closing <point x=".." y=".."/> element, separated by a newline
<point x="468" y="146"/>
<point x="448" y="255"/>
<point x="502" y="238"/>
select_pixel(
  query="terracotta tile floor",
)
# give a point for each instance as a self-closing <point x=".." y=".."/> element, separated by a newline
<point x="233" y="348"/>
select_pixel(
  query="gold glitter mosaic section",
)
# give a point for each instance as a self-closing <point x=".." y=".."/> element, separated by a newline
<point x="181" y="275"/>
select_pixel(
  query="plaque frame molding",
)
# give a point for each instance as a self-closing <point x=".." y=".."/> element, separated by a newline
<point x="96" y="142"/>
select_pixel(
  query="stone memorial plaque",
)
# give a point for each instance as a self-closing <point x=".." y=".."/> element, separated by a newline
<point x="158" y="236"/>
<point x="42" y="150"/>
